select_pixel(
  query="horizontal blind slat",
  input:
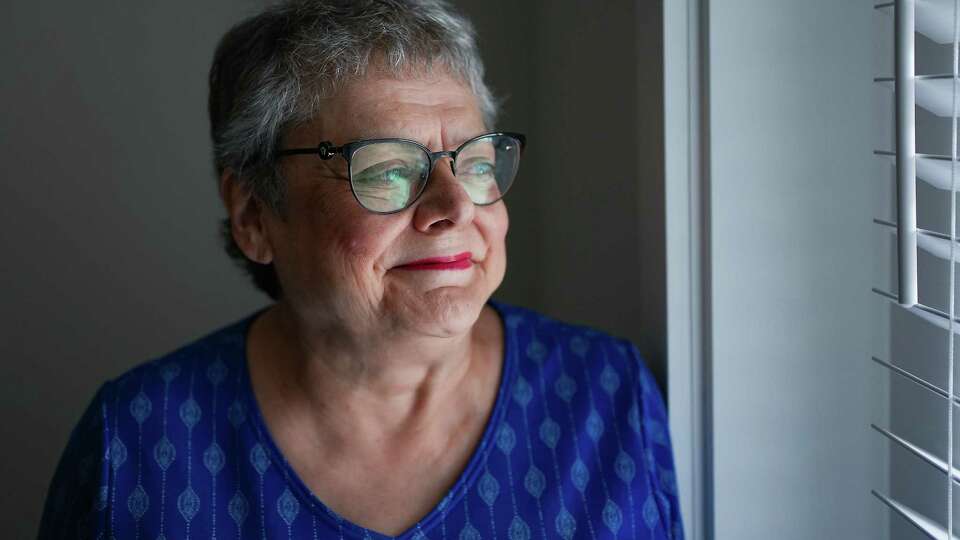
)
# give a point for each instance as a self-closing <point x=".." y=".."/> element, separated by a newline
<point x="920" y="452"/>
<point x="929" y="314"/>
<point x="916" y="379"/>
<point x="933" y="242"/>
<point x="934" y="93"/>
<point x="930" y="527"/>
<point x="934" y="18"/>
<point x="934" y="169"/>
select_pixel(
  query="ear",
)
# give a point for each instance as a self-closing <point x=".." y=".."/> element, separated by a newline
<point x="248" y="219"/>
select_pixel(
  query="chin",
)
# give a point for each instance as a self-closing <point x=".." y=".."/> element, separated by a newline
<point x="446" y="311"/>
<point x="441" y="306"/>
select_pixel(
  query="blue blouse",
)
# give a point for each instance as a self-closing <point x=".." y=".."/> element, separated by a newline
<point x="577" y="446"/>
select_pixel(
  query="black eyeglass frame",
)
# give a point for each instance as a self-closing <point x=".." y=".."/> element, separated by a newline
<point x="326" y="150"/>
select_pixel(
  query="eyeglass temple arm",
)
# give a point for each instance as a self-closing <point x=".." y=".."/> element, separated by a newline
<point x="325" y="150"/>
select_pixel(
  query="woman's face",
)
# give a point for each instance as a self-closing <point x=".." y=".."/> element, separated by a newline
<point x="340" y="264"/>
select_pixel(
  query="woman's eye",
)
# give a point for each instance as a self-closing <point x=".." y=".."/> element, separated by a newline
<point x="483" y="168"/>
<point x="396" y="175"/>
<point x="480" y="168"/>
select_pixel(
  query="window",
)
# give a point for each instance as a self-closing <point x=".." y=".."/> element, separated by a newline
<point x="916" y="171"/>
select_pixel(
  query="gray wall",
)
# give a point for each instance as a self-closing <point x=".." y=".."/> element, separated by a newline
<point x="790" y="135"/>
<point x="111" y="208"/>
<point x="585" y="81"/>
<point x="109" y="213"/>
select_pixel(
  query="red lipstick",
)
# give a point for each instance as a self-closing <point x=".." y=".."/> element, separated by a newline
<point x="460" y="261"/>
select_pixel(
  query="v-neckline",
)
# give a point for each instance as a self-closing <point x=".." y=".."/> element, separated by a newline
<point x="465" y="479"/>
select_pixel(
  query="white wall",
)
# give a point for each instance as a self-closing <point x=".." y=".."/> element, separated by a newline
<point x="790" y="269"/>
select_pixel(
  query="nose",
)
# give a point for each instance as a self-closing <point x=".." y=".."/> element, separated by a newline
<point x="444" y="203"/>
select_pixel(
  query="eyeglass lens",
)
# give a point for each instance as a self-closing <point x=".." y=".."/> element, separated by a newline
<point x="388" y="176"/>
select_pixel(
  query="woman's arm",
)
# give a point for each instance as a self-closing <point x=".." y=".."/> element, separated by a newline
<point x="655" y="430"/>
<point x="77" y="497"/>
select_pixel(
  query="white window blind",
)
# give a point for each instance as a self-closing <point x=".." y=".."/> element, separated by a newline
<point x="917" y="174"/>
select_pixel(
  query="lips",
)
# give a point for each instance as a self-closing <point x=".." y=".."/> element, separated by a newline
<point x="459" y="261"/>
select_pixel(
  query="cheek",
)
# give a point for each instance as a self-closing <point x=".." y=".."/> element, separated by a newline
<point x="340" y="228"/>
<point x="332" y="243"/>
<point x="363" y="242"/>
<point x="359" y="247"/>
<point x="495" y="225"/>
<point x="505" y="222"/>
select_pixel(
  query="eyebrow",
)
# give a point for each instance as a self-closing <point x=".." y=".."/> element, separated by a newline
<point x="365" y="135"/>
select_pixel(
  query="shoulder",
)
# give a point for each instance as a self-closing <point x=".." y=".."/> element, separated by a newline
<point x="573" y="348"/>
<point x="594" y="373"/>
<point x="603" y="385"/>
<point x="164" y="399"/>
<point x="126" y="419"/>
<point x="189" y="369"/>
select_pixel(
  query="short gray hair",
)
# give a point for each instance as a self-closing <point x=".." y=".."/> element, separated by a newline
<point x="271" y="71"/>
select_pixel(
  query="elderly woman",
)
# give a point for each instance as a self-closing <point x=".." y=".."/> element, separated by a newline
<point x="383" y="394"/>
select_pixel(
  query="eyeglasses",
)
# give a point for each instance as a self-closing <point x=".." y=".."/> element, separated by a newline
<point x="388" y="175"/>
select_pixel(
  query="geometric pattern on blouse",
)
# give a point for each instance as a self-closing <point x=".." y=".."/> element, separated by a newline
<point x="577" y="446"/>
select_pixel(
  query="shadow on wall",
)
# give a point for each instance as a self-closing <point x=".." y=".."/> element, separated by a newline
<point x="585" y="81"/>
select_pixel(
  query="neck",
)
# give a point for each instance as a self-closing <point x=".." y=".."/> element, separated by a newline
<point x="352" y="387"/>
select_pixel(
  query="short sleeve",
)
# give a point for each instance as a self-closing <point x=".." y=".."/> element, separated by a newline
<point x="76" y="498"/>
<point x="655" y="427"/>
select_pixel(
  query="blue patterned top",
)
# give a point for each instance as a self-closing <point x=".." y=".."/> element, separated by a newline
<point x="577" y="446"/>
